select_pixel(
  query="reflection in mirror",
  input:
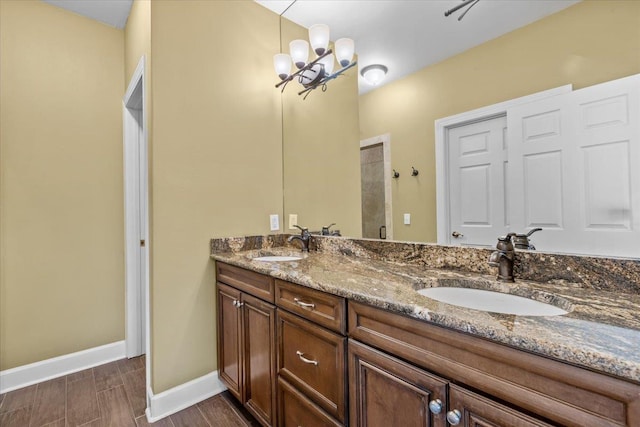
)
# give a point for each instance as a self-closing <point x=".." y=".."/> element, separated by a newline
<point x="585" y="44"/>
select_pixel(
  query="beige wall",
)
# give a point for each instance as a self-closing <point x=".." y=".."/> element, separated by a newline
<point x="217" y="164"/>
<point x="137" y="38"/>
<point x="61" y="260"/>
<point x="321" y="150"/>
<point x="589" y="43"/>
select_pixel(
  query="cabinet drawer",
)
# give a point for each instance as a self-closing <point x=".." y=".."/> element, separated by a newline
<point x="295" y="409"/>
<point x="476" y="410"/>
<point x="320" y="307"/>
<point x="313" y="360"/>
<point x="253" y="283"/>
<point x="557" y="391"/>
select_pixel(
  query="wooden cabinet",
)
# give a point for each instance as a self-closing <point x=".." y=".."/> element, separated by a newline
<point x="246" y="347"/>
<point x="283" y="353"/>
<point x="385" y="391"/>
<point x="522" y="382"/>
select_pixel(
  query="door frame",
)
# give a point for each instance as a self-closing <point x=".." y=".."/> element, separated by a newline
<point x="442" y="127"/>
<point x="137" y="317"/>
<point x="385" y="139"/>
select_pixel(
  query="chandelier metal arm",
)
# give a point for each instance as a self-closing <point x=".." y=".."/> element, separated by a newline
<point x="458" y="7"/>
<point x="325" y="79"/>
<point x="303" y="69"/>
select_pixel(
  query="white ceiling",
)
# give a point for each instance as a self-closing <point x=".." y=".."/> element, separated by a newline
<point x="404" y="35"/>
<point x="407" y="35"/>
<point x="110" y="12"/>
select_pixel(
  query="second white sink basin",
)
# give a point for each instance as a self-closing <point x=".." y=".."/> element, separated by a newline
<point x="495" y="302"/>
<point x="277" y="258"/>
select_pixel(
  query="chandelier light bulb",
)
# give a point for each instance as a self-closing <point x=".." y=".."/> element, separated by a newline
<point x="319" y="38"/>
<point x="299" y="50"/>
<point x="282" y="64"/>
<point x="374" y="74"/>
<point x="345" y="49"/>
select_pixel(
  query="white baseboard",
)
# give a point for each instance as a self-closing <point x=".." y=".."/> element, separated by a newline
<point x="22" y="376"/>
<point x="180" y="397"/>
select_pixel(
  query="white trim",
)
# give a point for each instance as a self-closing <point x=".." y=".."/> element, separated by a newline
<point x="33" y="373"/>
<point x="441" y="128"/>
<point x="386" y="153"/>
<point x="180" y="397"/>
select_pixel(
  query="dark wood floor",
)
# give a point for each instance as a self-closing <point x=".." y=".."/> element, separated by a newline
<point x="109" y="395"/>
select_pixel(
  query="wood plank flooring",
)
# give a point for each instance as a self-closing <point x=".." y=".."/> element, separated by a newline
<point x="111" y="395"/>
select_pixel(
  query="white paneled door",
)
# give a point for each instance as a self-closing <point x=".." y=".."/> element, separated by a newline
<point x="575" y="162"/>
<point x="477" y="188"/>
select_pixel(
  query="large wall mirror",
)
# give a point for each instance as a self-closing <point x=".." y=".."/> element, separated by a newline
<point x="580" y="44"/>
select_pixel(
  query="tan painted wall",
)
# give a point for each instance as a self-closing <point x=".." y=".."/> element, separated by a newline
<point x="217" y="164"/>
<point x="586" y="44"/>
<point x="137" y="38"/>
<point x="321" y="150"/>
<point x="62" y="274"/>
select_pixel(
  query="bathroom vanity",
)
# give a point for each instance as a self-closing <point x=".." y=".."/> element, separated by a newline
<point x="335" y="340"/>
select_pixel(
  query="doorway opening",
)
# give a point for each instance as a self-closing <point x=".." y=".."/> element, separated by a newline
<point x="375" y="176"/>
<point x="136" y="220"/>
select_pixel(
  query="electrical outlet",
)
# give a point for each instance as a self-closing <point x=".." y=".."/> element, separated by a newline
<point x="407" y="219"/>
<point x="275" y="222"/>
<point x="293" y="221"/>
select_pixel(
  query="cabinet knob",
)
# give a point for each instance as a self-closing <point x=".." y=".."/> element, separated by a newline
<point x="435" y="406"/>
<point x="454" y="417"/>
<point x="237" y="304"/>
<point x="457" y="234"/>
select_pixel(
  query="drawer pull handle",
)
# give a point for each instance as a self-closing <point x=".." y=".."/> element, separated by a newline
<point x="304" y="304"/>
<point x="305" y="360"/>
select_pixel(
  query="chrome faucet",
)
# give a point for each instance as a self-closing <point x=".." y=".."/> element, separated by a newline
<point x="304" y="237"/>
<point x="503" y="258"/>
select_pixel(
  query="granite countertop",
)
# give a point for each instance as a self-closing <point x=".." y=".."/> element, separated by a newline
<point x="600" y="332"/>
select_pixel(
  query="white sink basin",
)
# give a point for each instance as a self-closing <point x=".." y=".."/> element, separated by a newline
<point x="494" y="302"/>
<point x="277" y="258"/>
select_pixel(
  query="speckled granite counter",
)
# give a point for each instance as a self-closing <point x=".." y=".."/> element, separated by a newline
<point x="601" y="332"/>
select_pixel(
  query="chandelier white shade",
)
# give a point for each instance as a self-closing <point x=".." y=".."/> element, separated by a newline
<point x="315" y="73"/>
<point x="319" y="38"/>
<point x="345" y="49"/>
<point x="282" y="64"/>
<point x="374" y="74"/>
<point x="299" y="50"/>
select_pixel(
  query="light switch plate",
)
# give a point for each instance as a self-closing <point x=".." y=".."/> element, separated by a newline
<point x="293" y="221"/>
<point x="407" y="219"/>
<point x="274" y="220"/>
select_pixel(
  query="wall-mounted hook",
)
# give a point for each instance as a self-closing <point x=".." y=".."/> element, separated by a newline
<point x="414" y="171"/>
<point x="395" y="174"/>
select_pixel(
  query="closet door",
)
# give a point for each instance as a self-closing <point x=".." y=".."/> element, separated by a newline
<point x="575" y="169"/>
<point x="477" y="165"/>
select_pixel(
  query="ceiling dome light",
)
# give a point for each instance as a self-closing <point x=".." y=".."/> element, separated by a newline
<point x="374" y="74"/>
<point x="319" y="38"/>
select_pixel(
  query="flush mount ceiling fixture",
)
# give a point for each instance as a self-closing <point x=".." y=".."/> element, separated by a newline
<point x="374" y="73"/>
<point x="318" y="72"/>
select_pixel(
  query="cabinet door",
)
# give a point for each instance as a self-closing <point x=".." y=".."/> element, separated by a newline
<point x="259" y="319"/>
<point x="230" y="339"/>
<point x="471" y="410"/>
<point x="384" y="391"/>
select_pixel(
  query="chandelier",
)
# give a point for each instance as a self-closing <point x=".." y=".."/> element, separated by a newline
<point x="314" y="74"/>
